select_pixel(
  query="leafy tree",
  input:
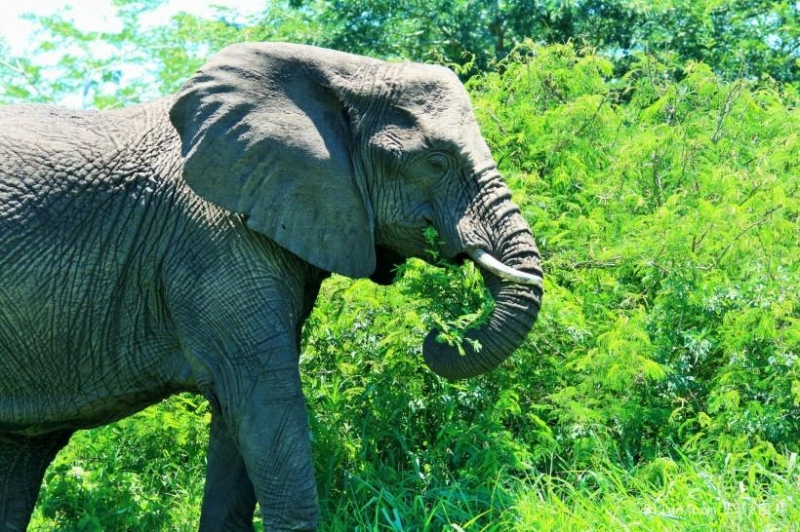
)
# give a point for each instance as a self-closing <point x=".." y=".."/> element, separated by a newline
<point x="738" y="38"/>
<point x="747" y="38"/>
<point x="669" y="220"/>
<point x="461" y="32"/>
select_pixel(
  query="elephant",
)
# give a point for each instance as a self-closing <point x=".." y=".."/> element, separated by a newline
<point x="179" y="245"/>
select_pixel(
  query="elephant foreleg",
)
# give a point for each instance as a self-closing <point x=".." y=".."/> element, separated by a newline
<point x="229" y="500"/>
<point x="23" y="461"/>
<point x="271" y="428"/>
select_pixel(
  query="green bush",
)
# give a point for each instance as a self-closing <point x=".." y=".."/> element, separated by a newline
<point x="145" y="472"/>
<point x="667" y="211"/>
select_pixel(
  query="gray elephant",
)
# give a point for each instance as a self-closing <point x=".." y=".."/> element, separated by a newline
<point x="179" y="245"/>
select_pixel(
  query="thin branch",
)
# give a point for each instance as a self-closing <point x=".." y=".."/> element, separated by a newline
<point x="586" y="122"/>
<point x="764" y="219"/>
<point x="24" y="75"/>
<point x="726" y="110"/>
<point x="578" y="132"/>
<point x="593" y="264"/>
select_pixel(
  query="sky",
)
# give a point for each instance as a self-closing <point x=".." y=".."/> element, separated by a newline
<point x="99" y="15"/>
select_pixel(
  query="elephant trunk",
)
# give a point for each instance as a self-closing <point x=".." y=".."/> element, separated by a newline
<point x="514" y="280"/>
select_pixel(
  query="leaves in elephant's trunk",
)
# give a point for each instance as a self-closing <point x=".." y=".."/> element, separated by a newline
<point x="456" y="299"/>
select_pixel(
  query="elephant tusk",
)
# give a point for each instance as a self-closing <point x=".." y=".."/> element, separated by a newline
<point x="501" y="270"/>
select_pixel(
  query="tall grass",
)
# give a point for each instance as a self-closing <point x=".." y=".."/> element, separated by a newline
<point x="664" y="495"/>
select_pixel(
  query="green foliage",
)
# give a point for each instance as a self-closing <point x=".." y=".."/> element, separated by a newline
<point x="742" y="38"/>
<point x="668" y="214"/>
<point x="664" y="495"/>
<point x="667" y="211"/>
<point x="399" y="448"/>
<point x="145" y="472"/>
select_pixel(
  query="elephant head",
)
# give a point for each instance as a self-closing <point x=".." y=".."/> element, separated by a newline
<point x="345" y="161"/>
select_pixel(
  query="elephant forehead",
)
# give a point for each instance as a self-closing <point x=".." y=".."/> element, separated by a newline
<point x="426" y="85"/>
<point x="456" y="129"/>
<point x="441" y="102"/>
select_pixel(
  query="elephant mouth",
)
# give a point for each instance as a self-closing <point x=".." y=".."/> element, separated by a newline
<point x="456" y="260"/>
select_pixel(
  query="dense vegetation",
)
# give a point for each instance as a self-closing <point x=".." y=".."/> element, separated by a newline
<point x="660" y="389"/>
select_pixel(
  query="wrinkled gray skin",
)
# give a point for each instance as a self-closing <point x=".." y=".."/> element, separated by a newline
<point x="179" y="245"/>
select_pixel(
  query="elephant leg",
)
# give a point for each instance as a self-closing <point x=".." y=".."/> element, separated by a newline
<point x="271" y="427"/>
<point x="23" y="461"/>
<point x="229" y="500"/>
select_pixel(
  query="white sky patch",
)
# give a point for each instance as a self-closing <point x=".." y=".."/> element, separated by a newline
<point x="19" y="34"/>
<point x="88" y="16"/>
<point x="100" y="15"/>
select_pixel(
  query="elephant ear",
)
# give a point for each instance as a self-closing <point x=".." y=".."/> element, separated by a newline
<point x="264" y="137"/>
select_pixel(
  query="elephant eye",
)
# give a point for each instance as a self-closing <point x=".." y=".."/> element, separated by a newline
<point x="439" y="163"/>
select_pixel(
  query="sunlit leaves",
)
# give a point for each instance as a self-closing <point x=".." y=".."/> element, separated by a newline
<point x="666" y="208"/>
